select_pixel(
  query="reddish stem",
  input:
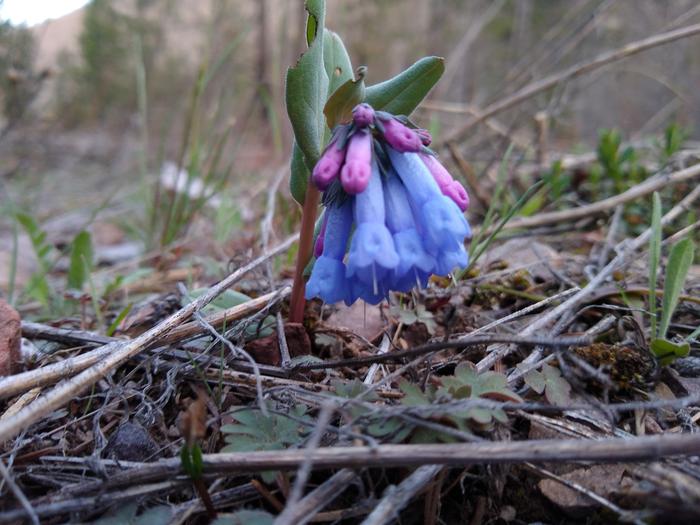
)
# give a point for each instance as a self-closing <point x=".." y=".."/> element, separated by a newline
<point x="306" y="245"/>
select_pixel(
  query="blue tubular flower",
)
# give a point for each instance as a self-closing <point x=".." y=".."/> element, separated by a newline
<point x="442" y="220"/>
<point x="372" y="251"/>
<point x="407" y="218"/>
<point x="328" y="276"/>
<point x="414" y="261"/>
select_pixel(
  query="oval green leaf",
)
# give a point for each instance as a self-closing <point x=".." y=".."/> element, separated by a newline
<point x="402" y="94"/>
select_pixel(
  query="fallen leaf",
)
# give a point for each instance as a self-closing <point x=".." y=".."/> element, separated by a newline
<point x="361" y="318"/>
<point x="602" y="480"/>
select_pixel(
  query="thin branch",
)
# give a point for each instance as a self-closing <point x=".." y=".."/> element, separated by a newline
<point x="26" y="505"/>
<point x="576" y="70"/>
<point x="647" y="187"/>
<point x="458" y="344"/>
<point x="17" y="383"/>
<point x="396" y="498"/>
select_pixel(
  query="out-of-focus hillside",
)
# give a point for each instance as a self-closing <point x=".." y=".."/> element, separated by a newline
<point x="491" y="48"/>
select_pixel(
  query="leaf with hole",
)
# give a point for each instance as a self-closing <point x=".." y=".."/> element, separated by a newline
<point x="338" y="108"/>
<point x="307" y="88"/>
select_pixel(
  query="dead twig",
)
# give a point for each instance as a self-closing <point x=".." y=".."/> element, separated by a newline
<point x="397" y="497"/>
<point x="640" y="190"/>
<point x="574" y="71"/>
<point x="319" y="498"/>
<point x="14" y="488"/>
<point x="17" y="383"/>
<point x="444" y="345"/>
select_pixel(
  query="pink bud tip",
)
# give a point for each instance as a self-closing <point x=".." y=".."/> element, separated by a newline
<point x="328" y="166"/>
<point x="400" y="137"/>
<point x="425" y="137"/>
<point x="438" y="171"/>
<point x="355" y="176"/>
<point x="363" y="115"/>
<point x="458" y="194"/>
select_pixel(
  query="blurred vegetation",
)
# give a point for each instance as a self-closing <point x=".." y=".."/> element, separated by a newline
<point x="18" y="83"/>
<point x="101" y="81"/>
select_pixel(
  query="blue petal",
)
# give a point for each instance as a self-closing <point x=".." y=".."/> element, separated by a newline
<point x="447" y="261"/>
<point x="372" y="252"/>
<point x="411" y="253"/>
<point x="327" y="280"/>
<point x="367" y="292"/>
<point x="369" y="205"/>
<point x="418" y="181"/>
<point x="338" y="229"/>
<point x="443" y="223"/>
<point x="399" y="214"/>
<point x="414" y="278"/>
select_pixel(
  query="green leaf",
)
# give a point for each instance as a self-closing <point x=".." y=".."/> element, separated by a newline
<point x="402" y="94"/>
<point x="300" y="174"/>
<point x="654" y="258"/>
<point x="186" y="460"/>
<point x="117" y="320"/>
<point x="535" y="380"/>
<point x="338" y="109"/>
<point x="336" y="61"/>
<point x="228" y="299"/>
<point x="197" y="461"/>
<point x="307" y="88"/>
<point x="81" y="260"/>
<point x="558" y="390"/>
<point x="666" y="351"/>
<point x="679" y="262"/>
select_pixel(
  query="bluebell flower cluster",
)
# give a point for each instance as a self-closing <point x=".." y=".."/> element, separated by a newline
<point x="393" y="217"/>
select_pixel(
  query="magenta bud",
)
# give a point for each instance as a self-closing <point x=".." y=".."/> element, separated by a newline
<point x="400" y="137"/>
<point x="354" y="177"/>
<point x="328" y="166"/>
<point x="458" y="194"/>
<point x="438" y="171"/>
<point x="355" y="174"/>
<point x="363" y="115"/>
<point x="425" y="137"/>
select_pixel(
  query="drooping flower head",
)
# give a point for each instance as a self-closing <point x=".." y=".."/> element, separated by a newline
<point x="394" y="214"/>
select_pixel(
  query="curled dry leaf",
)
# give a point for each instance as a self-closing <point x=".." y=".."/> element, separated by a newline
<point x="193" y="421"/>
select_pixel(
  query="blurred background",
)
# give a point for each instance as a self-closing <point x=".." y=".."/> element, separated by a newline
<point x="159" y="125"/>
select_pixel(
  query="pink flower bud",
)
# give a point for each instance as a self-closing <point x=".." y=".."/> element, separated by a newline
<point x="363" y="115"/>
<point x="458" y="194"/>
<point x="400" y="137"/>
<point x="355" y="174"/>
<point x="448" y="186"/>
<point x="425" y="137"/>
<point x="438" y="171"/>
<point x="328" y="166"/>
